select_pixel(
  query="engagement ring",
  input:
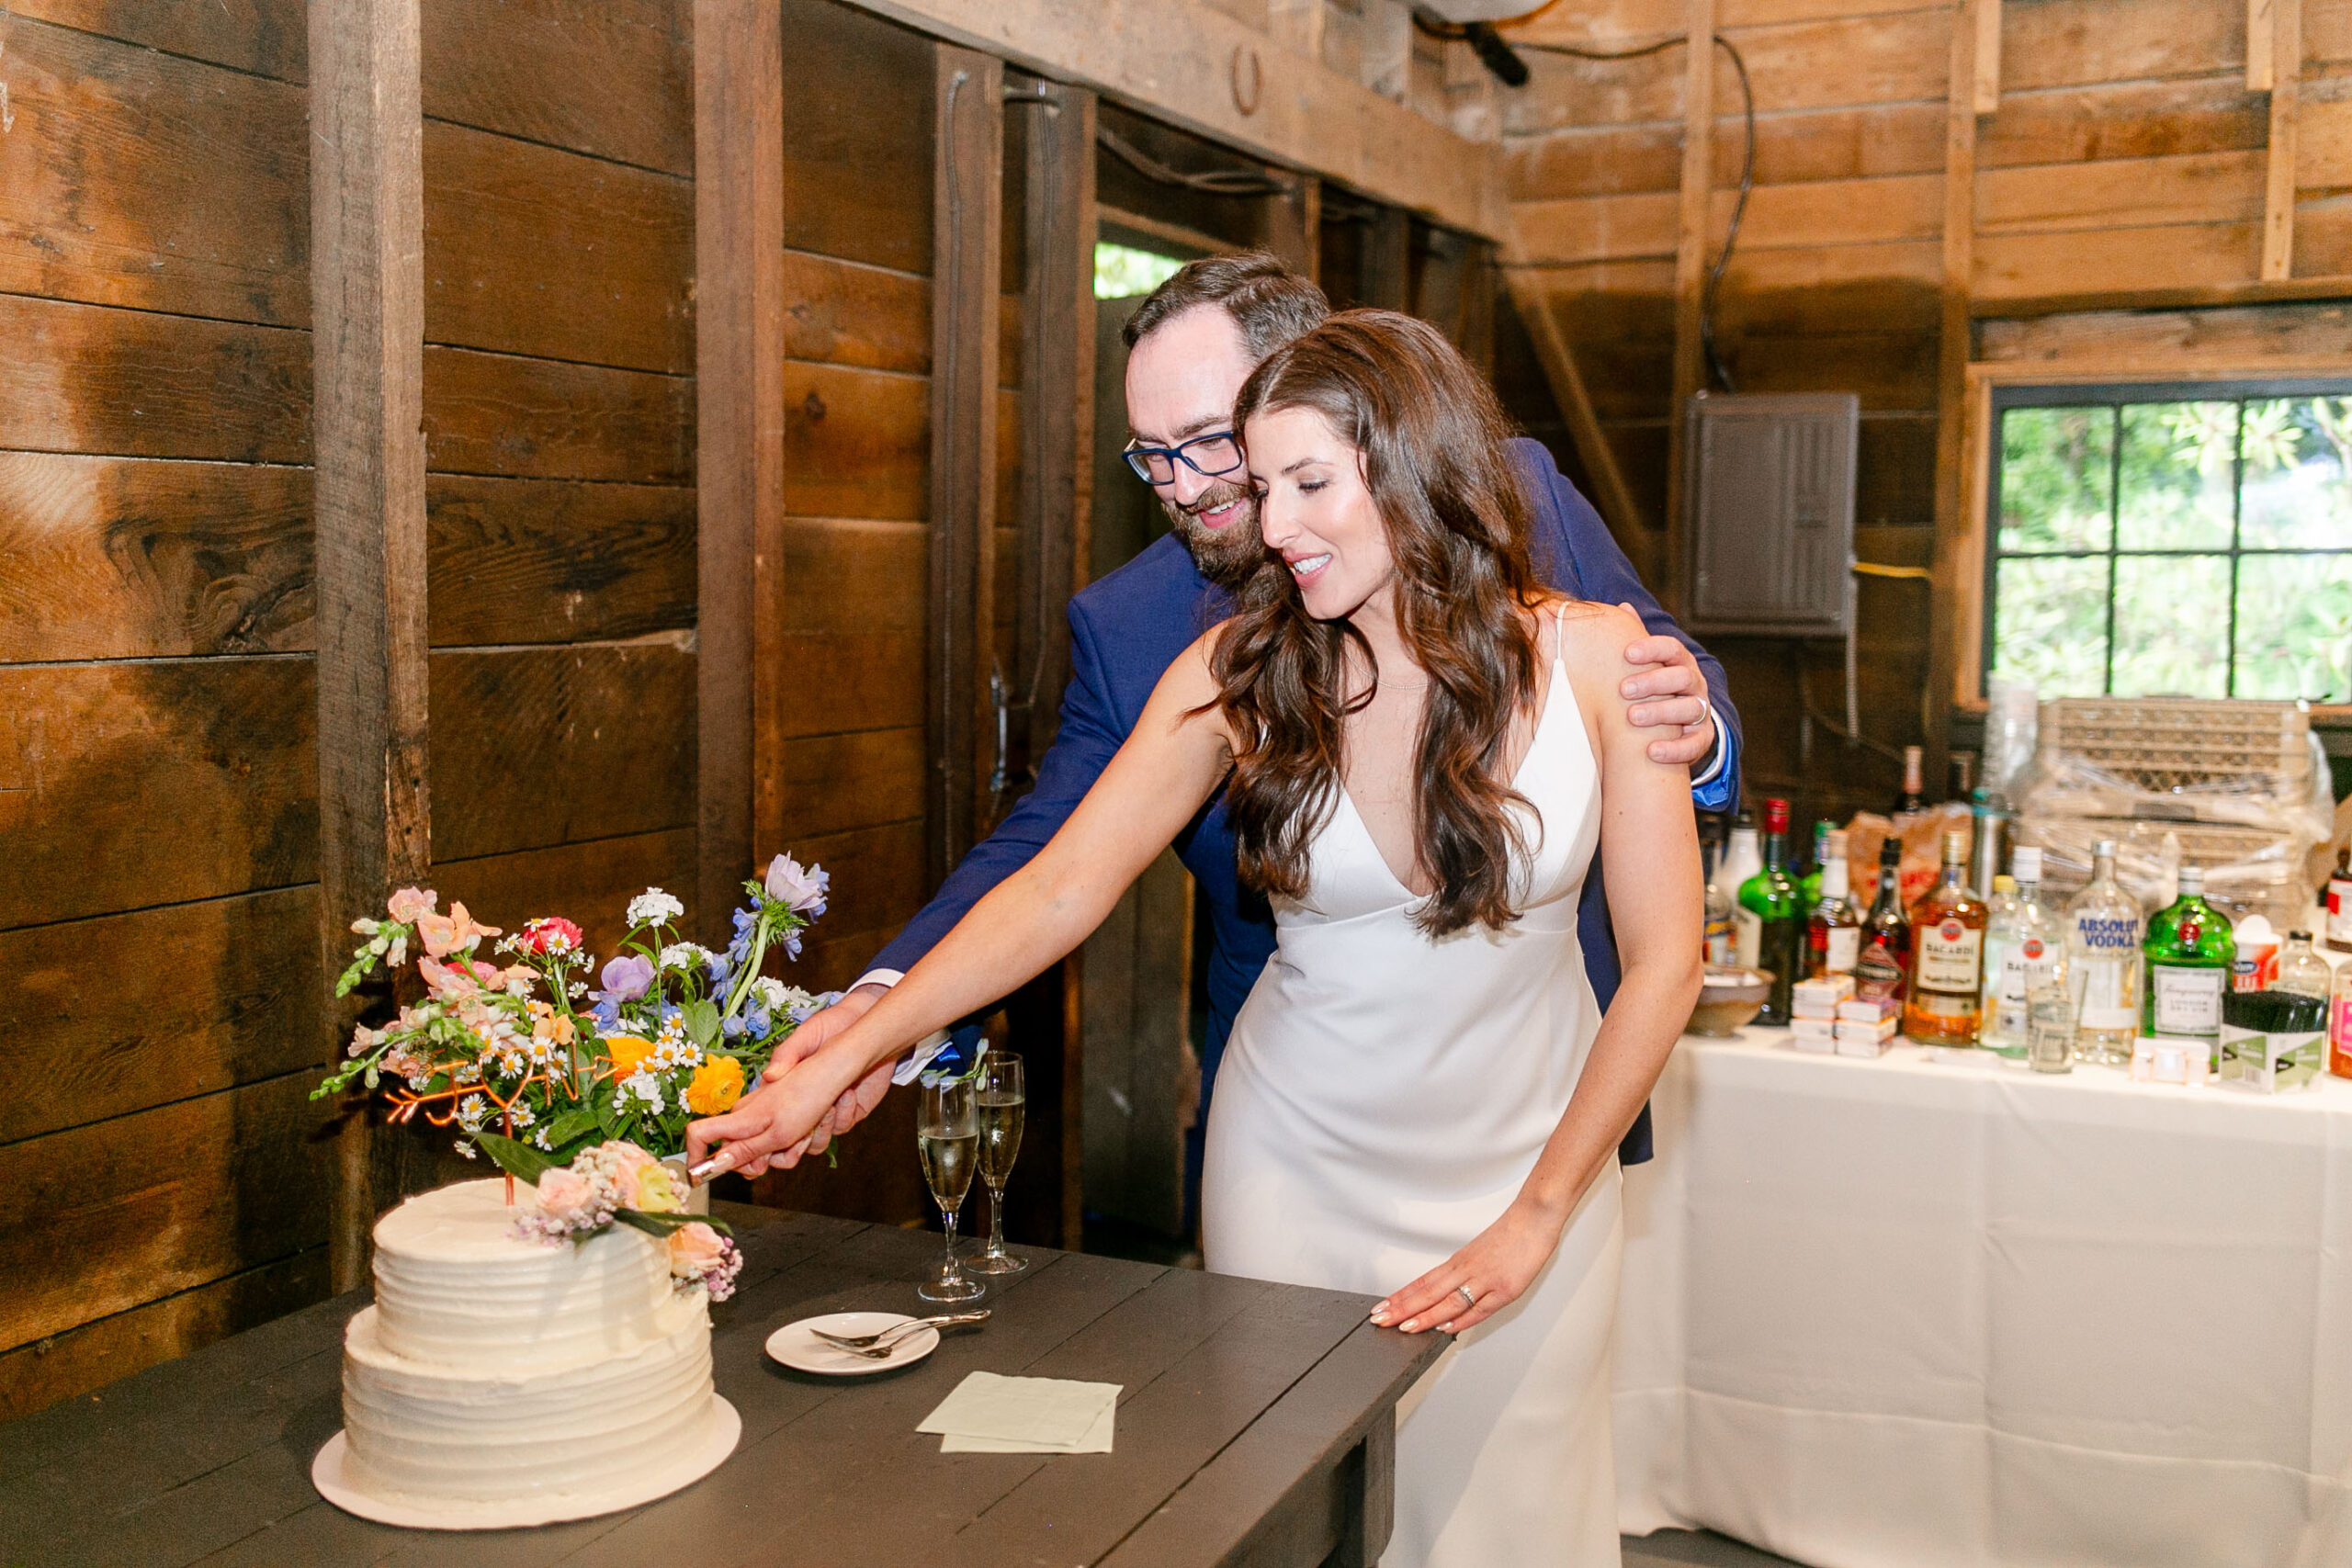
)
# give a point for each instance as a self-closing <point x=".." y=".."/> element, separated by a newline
<point x="1468" y="1301"/>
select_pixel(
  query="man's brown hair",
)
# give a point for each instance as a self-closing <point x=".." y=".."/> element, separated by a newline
<point x="1272" y="305"/>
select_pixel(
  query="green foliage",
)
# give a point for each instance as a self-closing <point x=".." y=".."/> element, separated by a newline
<point x="518" y="1160"/>
<point x="662" y="1225"/>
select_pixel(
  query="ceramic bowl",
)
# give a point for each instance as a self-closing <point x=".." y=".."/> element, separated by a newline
<point x="1727" y="998"/>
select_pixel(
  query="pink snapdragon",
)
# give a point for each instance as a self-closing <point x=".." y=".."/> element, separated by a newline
<point x="411" y="905"/>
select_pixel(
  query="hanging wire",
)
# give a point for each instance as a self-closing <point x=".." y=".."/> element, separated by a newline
<point x="1708" y="292"/>
<point x="1214" y="182"/>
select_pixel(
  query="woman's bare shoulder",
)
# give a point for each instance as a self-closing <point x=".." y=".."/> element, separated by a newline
<point x="1593" y="637"/>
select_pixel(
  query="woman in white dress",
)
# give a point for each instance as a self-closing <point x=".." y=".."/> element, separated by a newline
<point x="1421" y="753"/>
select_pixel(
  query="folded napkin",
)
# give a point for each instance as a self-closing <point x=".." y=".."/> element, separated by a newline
<point x="989" y="1414"/>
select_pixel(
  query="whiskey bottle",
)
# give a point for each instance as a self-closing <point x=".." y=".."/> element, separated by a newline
<point x="1882" y="969"/>
<point x="1948" y="954"/>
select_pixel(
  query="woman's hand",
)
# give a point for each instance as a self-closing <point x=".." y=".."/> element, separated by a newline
<point x="771" y="1123"/>
<point x="1497" y="1267"/>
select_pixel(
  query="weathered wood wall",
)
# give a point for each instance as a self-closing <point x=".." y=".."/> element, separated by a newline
<point x="154" y="618"/>
<point x="2122" y="165"/>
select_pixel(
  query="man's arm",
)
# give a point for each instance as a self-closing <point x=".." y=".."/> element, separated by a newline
<point x="1583" y="557"/>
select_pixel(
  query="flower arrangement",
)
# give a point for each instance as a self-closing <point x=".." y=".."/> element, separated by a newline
<point x="528" y="1051"/>
<point x="620" y="1183"/>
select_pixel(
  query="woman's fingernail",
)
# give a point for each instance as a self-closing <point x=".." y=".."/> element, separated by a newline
<point x="1380" y="1315"/>
<point x="1409" y="1324"/>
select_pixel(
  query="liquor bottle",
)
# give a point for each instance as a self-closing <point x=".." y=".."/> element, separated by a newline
<point x="1913" y="796"/>
<point x="2050" y="1018"/>
<point x="2103" y="951"/>
<point x="1948" y="954"/>
<point x="1883" y="967"/>
<point x="1741" y="860"/>
<point x="2026" y="935"/>
<point x="1722" y="941"/>
<point x="2339" y="903"/>
<point x="1833" y="935"/>
<point x="1809" y="885"/>
<point x="2189" y="948"/>
<point x="1988" y="819"/>
<point x="2339" y="1024"/>
<point x="1770" y="923"/>
<point x="2302" y="970"/>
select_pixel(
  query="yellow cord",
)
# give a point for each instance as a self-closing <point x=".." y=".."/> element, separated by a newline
<point x="1872" y="568"/>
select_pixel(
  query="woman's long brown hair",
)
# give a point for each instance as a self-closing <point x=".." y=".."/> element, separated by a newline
<point x="1431" y="438"/>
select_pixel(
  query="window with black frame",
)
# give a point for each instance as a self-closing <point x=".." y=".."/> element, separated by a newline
<point x="2190" y="540"/>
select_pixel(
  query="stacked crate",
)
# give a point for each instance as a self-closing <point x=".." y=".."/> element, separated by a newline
<point x="2227" y="786"/>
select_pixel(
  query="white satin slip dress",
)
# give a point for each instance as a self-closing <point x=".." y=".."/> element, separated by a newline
<point x="1381" y="1100"/>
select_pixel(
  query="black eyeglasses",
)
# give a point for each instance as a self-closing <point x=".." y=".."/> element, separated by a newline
<point x="1213" y="455"/>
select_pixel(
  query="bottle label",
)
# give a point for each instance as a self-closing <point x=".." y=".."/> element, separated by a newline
<point x="1723" y="949"/>
<point x="2100" y="934"/>
<point x="1747" y="936"/>
<point x="2188" y="1001"/>
<point x="1845" y="950"/>
<point x="2339" y="910"/>
<point x="1949" y="957"/>
<point x="2107" y="1003"/>
<point x="1878" y="974"/>
<point x="2339" y="1037"/>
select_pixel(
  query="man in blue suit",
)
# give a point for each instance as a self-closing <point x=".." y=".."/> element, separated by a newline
<point x="1190" y="346"/>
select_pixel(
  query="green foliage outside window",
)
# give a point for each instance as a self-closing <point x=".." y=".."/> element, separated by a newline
<point x="2193" y="547"/>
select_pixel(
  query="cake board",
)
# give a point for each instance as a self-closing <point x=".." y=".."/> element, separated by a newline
<point x="721" y="1433"/>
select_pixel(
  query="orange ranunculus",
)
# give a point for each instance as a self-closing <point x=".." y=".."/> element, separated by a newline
<point x="628" y="1051"/>
<point x="717" y="1085"/>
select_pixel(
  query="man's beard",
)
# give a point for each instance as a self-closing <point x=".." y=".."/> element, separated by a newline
<point x="1227" y="556"/>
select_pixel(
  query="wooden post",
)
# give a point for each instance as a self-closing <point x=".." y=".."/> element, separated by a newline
<point x="1693" y="233"/>
<point x="2258" y="44"/>
<point x="1295" y="225"/>
<point x="1951" y="547"/>
<point x="2286" y="55"/>
<point x="1987" y="74"/>
<point x="1614" y="498"/>
<point x="739" y="442"/>
<point x="1057" y="482"/>
<point x="367" y="354"/>
<point x="966" y="273"/>
<point x="1385" y="279"/>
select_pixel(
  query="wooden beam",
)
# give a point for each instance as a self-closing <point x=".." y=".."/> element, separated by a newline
<point x="1615" y="499"/>
<point x="1057" y="491"/>
<point x="367" y="435"/>
<point x="1385" y="276"/>
<point x="2258" y="45"/>
<point x="1953" y="547"/>
<point x="1180" y="61"/>
<point x="2279" y="183"/>
<point x="966" y="273"/>
<point x="1297" y="25"/>
<point x="1695" y="232"/>
<point x="739" y="446"/>
<point x="1295" y="225"/>
<point x="1988" y="75"/>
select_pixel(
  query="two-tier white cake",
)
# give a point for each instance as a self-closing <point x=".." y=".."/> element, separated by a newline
<point x="501" y="1381"/>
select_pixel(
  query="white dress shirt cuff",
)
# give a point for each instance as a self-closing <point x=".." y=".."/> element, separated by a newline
<point x="918" y="1057"/>
<point x="1714" y="768"/>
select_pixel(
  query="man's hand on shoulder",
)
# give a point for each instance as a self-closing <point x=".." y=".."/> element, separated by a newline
<point x="1669" y="694"/>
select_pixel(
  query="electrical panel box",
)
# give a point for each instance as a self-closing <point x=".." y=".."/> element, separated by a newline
<point x="1770" y="487"/>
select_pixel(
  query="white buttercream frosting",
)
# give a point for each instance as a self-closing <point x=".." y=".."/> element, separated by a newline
<point x="492" y="1366"/>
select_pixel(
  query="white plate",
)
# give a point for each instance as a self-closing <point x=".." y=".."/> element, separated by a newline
<point x="696" y="1459"/>
<point x="797" y="1346"/>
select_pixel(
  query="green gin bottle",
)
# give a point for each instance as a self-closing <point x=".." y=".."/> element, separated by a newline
<point x="1770" y="919"/>
<point x="2189" y="948"/>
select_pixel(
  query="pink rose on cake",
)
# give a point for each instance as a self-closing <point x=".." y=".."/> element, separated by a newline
<point x="700" y="1255"/>
<point x="564" y="1193"/>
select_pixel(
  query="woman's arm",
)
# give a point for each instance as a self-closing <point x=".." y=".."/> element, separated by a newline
<point x="1649" y="858"/>
<point x="1151" y="788"/>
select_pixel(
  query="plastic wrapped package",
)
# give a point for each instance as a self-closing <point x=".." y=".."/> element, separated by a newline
<point x="2248" y="870"/>
<point x="2012" y="725"/>
<point x="2301" y="804"/>
<point x="1923" y="843"/>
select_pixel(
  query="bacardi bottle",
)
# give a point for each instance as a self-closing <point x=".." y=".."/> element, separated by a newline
<point x="1948" y="954"/>
<point x="2022" y="944"/>
<point x="2103" y="953"/>
<point x="2189" y="949"/>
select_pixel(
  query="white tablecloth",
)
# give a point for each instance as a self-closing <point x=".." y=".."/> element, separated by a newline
<point x="1901" y="1314"/>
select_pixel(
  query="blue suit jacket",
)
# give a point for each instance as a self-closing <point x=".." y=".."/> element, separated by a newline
<point x="1126" y="631"/>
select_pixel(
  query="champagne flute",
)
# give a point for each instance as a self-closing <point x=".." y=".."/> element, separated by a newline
<point x="947" y="1131"/>
<point x="1001" y="1100"/>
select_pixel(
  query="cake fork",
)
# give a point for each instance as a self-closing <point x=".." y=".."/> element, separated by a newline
<point x="868" y="1341"/>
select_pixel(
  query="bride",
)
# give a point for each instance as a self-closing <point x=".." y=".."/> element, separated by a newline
<point x="1420" y="753"/>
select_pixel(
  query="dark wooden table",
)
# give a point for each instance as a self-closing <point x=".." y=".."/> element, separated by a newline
<point x="1255" y="1428"/>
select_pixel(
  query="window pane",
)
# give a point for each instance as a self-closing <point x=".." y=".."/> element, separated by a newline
<point x="2297" y="459"/>
<point x="2055" y="466"/>
<point x="2178" y="471"/>
<point x="2050" y="623"/>
<point x="2172" y="626"/>
<point x="2295" y="627"/>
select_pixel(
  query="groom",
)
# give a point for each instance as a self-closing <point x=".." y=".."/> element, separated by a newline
<point x="1191" y="345"/>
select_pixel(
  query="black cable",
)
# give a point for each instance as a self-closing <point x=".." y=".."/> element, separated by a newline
<point x="1216" y="182"/>
<point x="1713" y="285"/>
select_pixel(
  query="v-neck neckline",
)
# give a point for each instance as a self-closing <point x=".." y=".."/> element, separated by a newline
<point x="1534" y="740"/>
